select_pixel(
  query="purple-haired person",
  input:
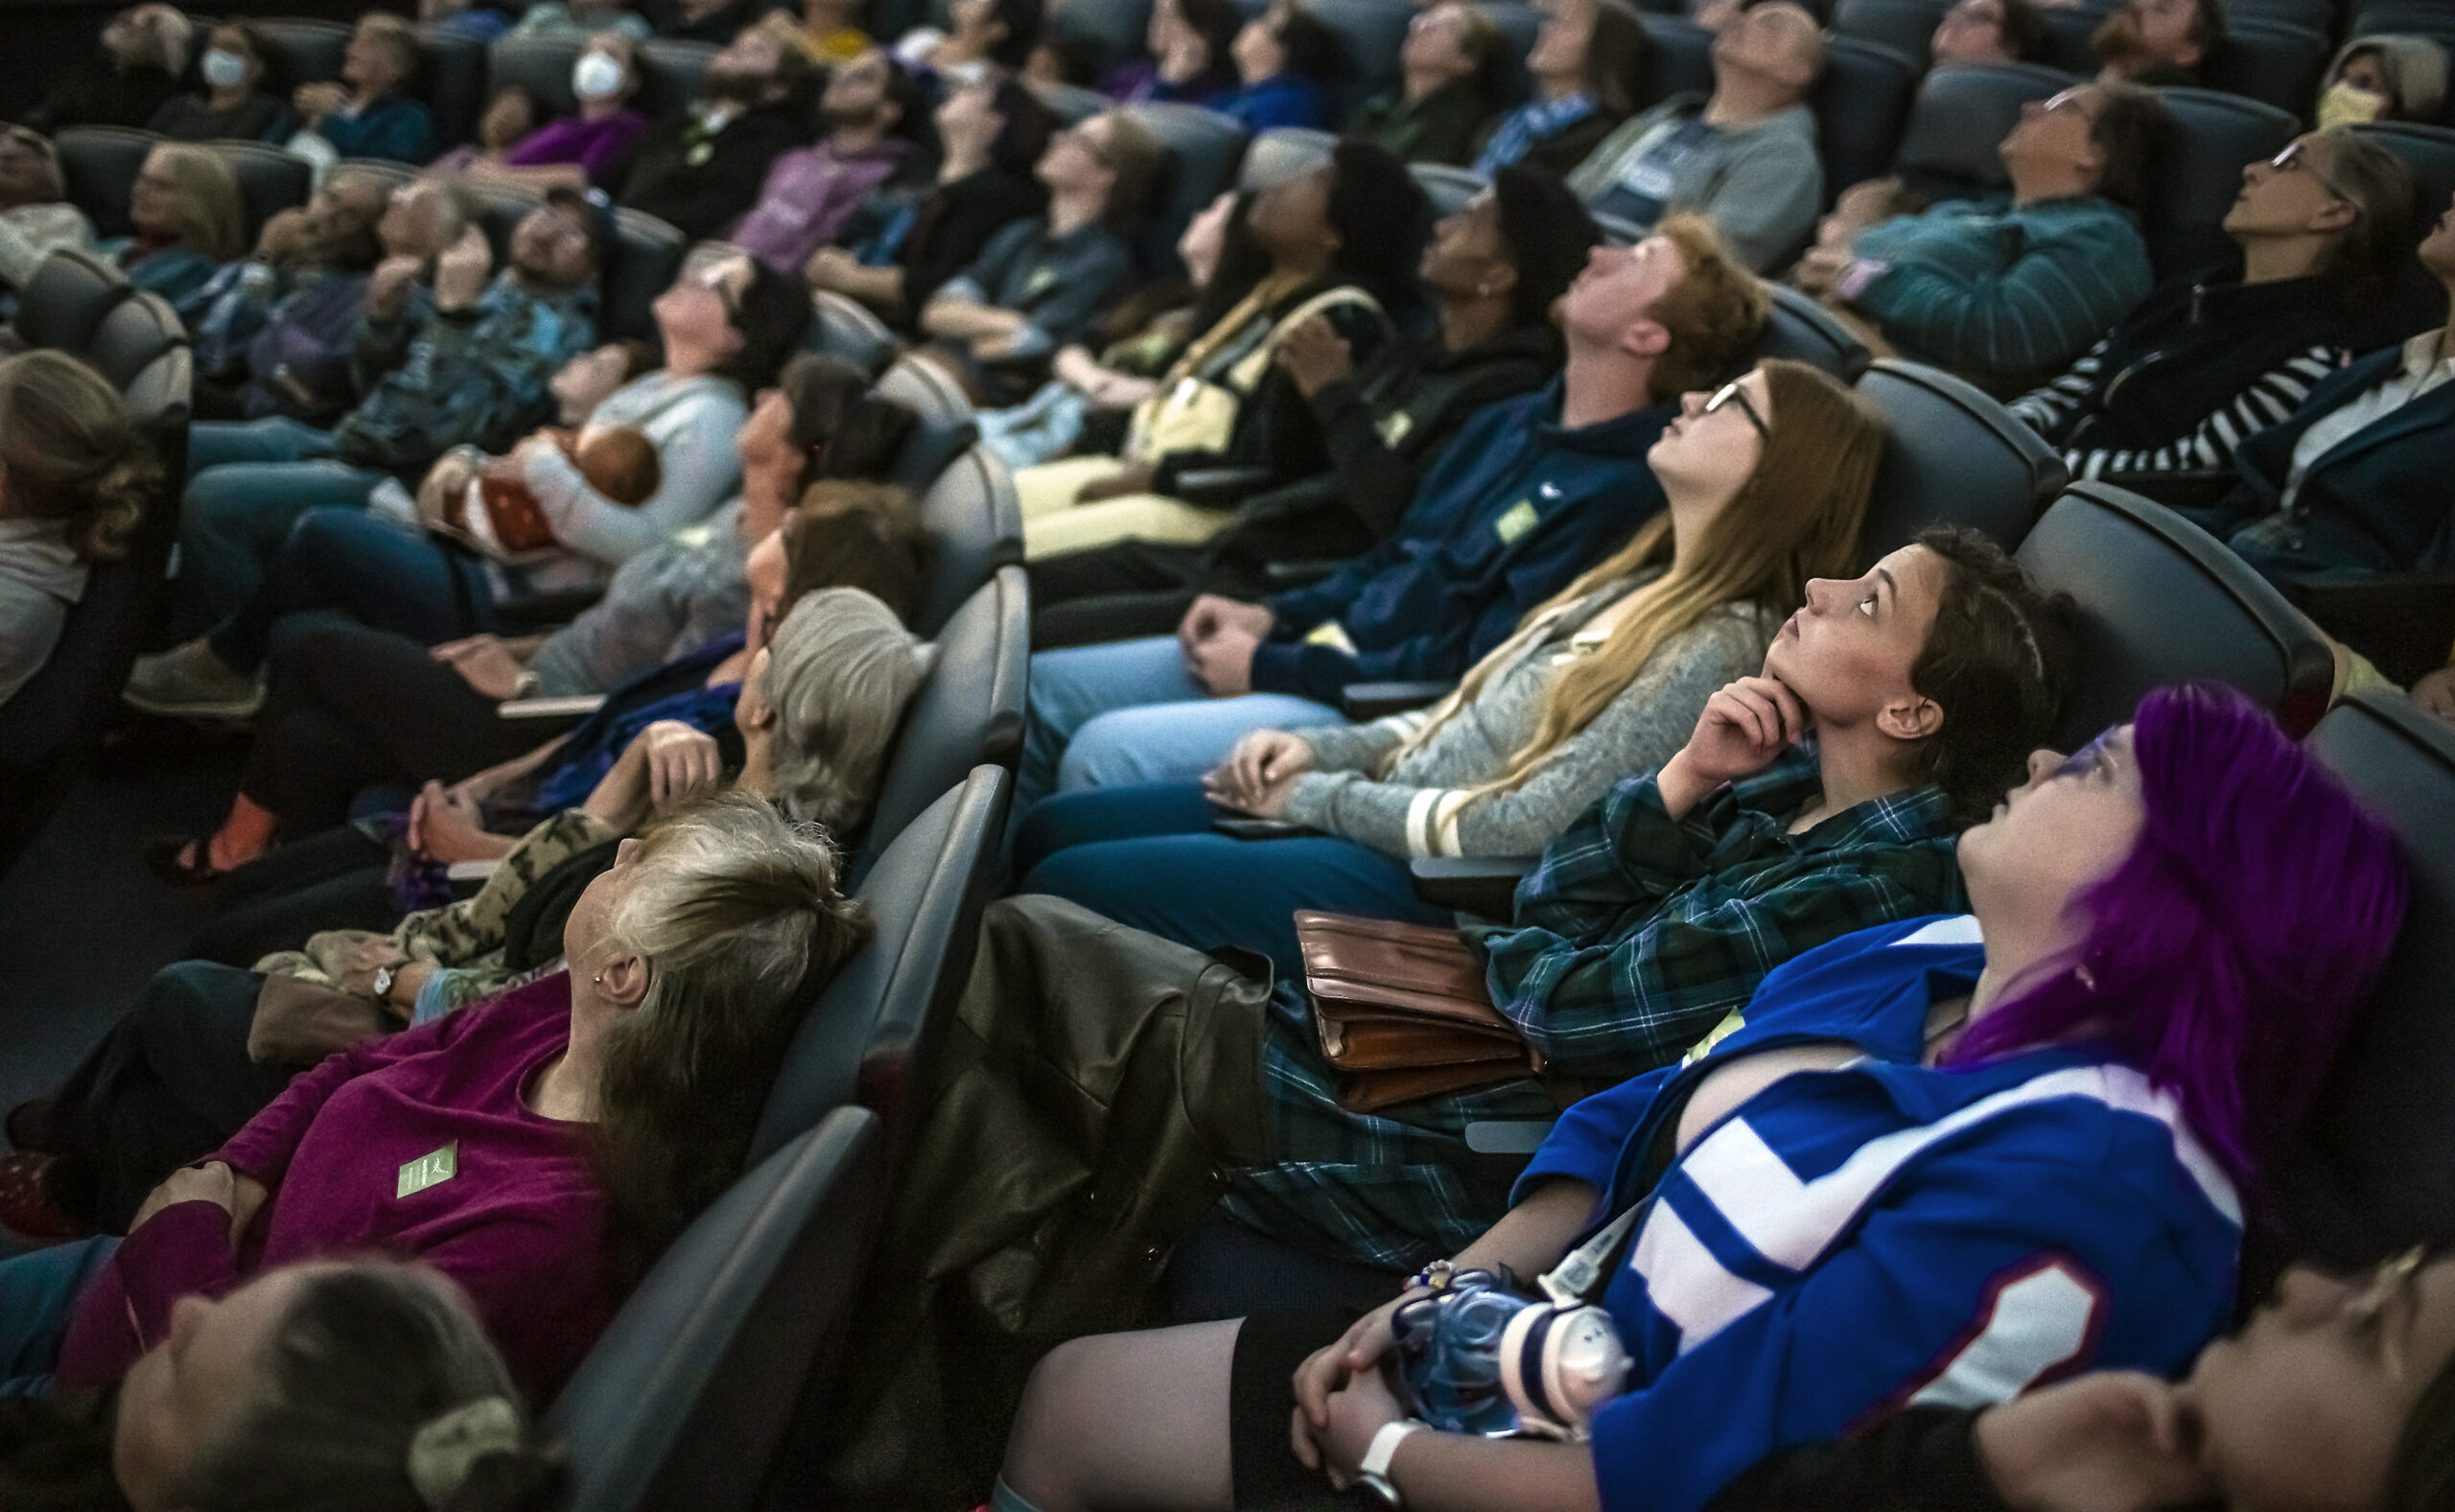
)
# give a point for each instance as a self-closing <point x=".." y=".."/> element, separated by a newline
<point x="1933" y="1164"/>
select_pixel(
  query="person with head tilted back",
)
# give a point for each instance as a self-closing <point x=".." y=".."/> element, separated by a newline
<point x="186" y="224"/>
<point x="1606" y="678"/>
<point x="540" y="1154"/>
<point x="207" y="1044"/>
<point x="700" y="169"/>
<point x="234" y="103"/>
<point x="874" y="112"/>
<point x="1442" y="94"/>
<point x="73" y="479"/>
<point x="1585" y="64"/>
<point x="1745" y="157"/>
<point x="2003" y="292"/>
<point x="364" y="1385"/>
<point x="587" y="148"/>
<point x="2206" y="364"/>
<point x="2383" y="79"/>
<point x="1938" y="1160"/>
<point x="1534" y="491"/>
<point x="35" y="216"/>
<point x="2354" y="482"/>
<point x="2159" y="42"/>
<point x="135" y="72"/>
<point x="370" y="112"/>
<point x="1492" y="273"/>
<point x="1991" y="32"/>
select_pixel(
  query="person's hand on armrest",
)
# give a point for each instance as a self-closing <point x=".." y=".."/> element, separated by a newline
<point x="445" y="825"/>
<point x="1744" y="728"/>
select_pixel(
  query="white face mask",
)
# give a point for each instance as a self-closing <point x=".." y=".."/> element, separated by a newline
<point x="223" y="70"/>
<point x="595" y="76"/>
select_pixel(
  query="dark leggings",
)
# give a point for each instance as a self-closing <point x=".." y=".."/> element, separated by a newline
<point x="335" y="880"/>
<point x="169" y="1084"/>
<point x="369" y="567"/>
<point x="351" y="706"/>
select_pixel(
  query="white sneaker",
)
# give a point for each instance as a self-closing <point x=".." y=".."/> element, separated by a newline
<point x="189" y="681"/>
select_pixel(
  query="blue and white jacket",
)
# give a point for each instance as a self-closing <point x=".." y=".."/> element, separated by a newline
<point x="1848" y="1243"/>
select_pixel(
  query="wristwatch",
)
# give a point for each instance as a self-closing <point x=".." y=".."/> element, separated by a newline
<point x="1374" y="1471"/>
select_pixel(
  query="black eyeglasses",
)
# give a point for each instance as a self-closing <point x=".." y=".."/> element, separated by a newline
<point x="1730" y="393"/>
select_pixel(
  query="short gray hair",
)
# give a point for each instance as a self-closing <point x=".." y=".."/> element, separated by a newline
<point x="841" y="669"/>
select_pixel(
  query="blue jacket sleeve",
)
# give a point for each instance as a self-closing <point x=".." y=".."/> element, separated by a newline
<point x="1932" y="1280"/>
<point x="1586" y="1142"/>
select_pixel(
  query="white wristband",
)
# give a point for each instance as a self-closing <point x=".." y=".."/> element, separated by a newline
<point x="1385" y="1447"/>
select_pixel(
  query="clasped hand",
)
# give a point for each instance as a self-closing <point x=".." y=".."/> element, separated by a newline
<point x="1217" y="637"/>
<point x="1343" y="1397"/>
<point x="1260" y="773"/>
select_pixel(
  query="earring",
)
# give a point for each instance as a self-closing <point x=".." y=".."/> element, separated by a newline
<point x="598" y="979"/>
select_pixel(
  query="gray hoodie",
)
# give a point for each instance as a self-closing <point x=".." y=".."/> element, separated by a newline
<point x="1762" y="183"/>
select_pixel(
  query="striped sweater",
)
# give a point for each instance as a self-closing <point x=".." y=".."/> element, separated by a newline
<point x="1426" y="804"/>
<point x="2191" y="374"/>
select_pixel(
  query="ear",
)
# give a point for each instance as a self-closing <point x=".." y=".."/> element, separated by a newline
<point x="621" y="982"/>
<point x="2338" y="215"/>
<point x="1910" y="717"/>
<point x="1646" y="337"/>
<point x="1498" y="282"/>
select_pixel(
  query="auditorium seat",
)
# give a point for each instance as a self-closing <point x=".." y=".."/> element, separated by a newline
<point x="1097" y="37"/>
<point x="2199" y="174"/>
<point x="1072" y="103"/>
<point x="884" y="1011"/>
<point x="300" y="50"/>
<point x="2070" y="25"/>
<point x="2275" y="62"/>
<point x="969" y="712"/>
<point x="1962" y="112"/>
<point x="1204" y="149"/>
<point x="542" y="65"/>
<point x="2429" y="151"/>
<point x="1281" y="154"/>
<point x="976" y="527"/>
<point x="1907" y="27"/>
<point x="686" y="1399"/>
<point x="2372" y="1169"/>
<point x="1953" y="456"/>
<point x="1518" y="22"/>
<point x="135" y="334"/>
<point x="453" y="81"/>
<point x="2162" y="601"/>
<point x="647" y="257"/>
<point x="945" y="426"/>
<point x="669" y="73"/>
<point x="1447" y="187"/>
<point x="846" y="330"/>
<point x="65" y="301"/>
<point x="98" y="168"/>
<point x="1370" y="30"/>
<point x="1861" y="107"/>
<point x="1679" y="59"/>
<point x="1804" y="331"/>
<point x="269" y="179"/>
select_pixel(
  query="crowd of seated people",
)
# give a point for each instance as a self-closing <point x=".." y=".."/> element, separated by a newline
<point x="1885" y="1100"/>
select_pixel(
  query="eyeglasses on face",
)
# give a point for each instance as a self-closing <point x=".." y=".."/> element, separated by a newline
<point x="2294" y="159"/>
<point x="1731" y="393"/>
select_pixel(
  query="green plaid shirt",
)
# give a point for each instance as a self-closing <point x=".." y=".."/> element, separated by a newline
<point x="1636" y="936"/>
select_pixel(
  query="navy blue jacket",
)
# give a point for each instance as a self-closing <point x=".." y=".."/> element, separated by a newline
<point x="1515" y="508"/>
<point x="2377" y="502"/>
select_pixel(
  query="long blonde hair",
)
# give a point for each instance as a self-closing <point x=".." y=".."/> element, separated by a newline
<point x="212" y="218"/>
<point x="1796" y="517"/>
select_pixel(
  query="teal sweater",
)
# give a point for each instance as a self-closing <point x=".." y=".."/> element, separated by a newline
<point x="1997" y="291"/>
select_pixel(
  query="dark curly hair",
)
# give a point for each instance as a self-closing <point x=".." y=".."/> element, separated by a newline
<point x="1998" y="662"/>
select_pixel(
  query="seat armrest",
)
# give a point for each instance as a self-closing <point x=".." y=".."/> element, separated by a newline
<point x="1220" y="487"/>
<point x="1298" y="574"/>
<point x="2194" y="489"/>
<point x="1372" y="700"/>
<point x="1484" y="886"/>
<point x="2403" y="621"/>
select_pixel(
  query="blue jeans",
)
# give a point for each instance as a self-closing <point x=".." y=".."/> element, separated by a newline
<point x="1145" y="855"/>
<point x="247" y="483"/>
<point x="1129" y="712"/>
<point x="377" y="572"/>
<point x="38" y="1295"/>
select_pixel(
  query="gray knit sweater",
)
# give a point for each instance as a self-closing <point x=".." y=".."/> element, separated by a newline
<point x="1422" y="807"/>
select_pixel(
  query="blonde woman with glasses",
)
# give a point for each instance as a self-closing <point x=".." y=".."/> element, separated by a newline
<point x="1767" y="478"/>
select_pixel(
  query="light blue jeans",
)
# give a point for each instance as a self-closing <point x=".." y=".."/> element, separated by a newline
<point x="248" y="481"/>
<point x="1129" y="712"/>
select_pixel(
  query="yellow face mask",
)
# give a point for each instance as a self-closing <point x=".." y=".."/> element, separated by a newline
<point x="2344" y="105"/>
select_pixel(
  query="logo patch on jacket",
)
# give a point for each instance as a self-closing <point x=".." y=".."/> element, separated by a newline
<point x="1514" y="521"/>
